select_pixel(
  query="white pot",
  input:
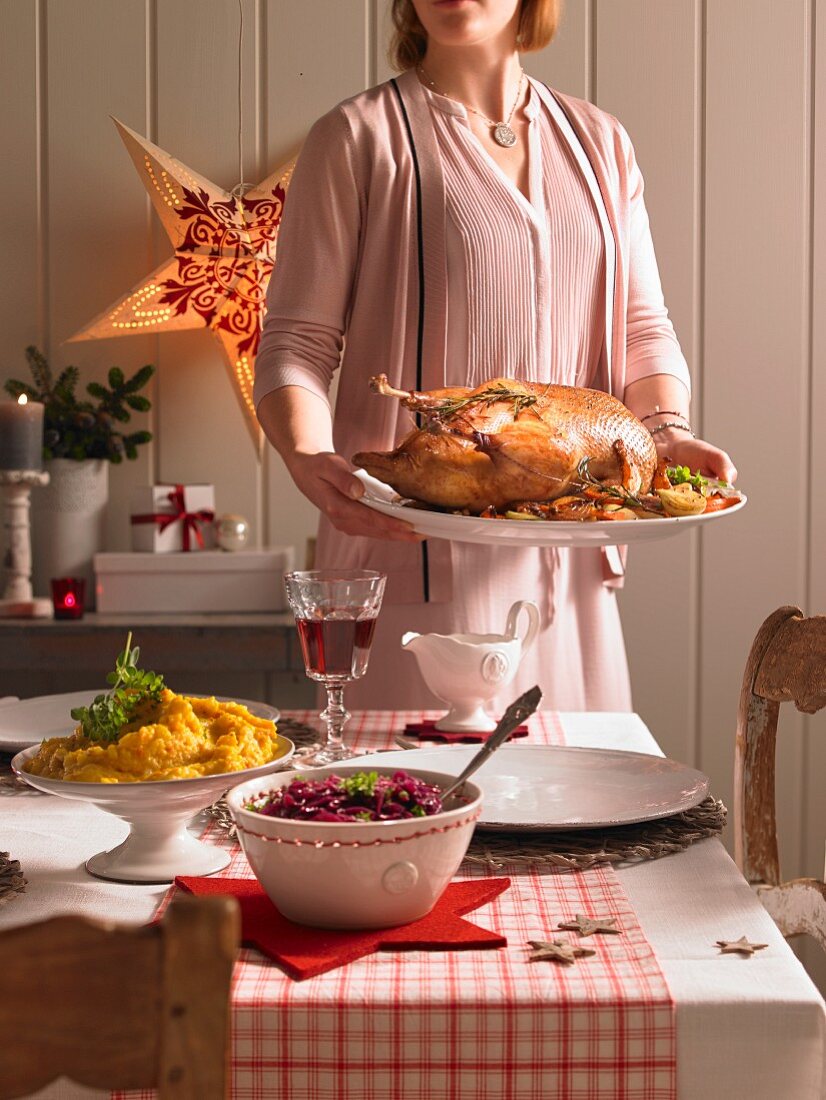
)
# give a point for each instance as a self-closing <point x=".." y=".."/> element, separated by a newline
<point x="69" y="522"/>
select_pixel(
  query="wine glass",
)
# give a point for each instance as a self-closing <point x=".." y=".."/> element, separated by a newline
<point x="335" y="613"/>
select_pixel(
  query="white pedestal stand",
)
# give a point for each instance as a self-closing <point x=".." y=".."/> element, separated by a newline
<point x="18" y="601"/>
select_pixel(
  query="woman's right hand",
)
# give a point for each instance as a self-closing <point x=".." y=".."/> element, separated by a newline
<point x="327" y="480"/>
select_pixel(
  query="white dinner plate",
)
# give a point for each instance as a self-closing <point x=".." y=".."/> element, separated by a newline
<point x="541" y="787"/>
<point x="28" y="721"/>
<point x="520" y="532"/>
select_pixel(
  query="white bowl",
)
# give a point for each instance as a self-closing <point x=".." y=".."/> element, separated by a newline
<point x="355" y="874"/>
<point x="158" y="846"/>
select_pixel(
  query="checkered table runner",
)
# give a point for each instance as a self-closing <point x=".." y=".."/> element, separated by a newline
<point x="469" y="1025"/>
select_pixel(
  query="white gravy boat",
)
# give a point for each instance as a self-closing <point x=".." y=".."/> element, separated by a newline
<point x="467" y="670"/>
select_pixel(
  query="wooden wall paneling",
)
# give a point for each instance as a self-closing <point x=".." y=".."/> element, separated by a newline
<point x="814" y="761"/>
<point x="756" y="361"/>
<point x="316" y="56"/>
<point x="96" y="215"/>
<point x="21" y="282"/>
<point x="567" y="63"/>
<point x="203" y="434"/>
<point x="20" y="275"/>
<point x="648" y="74"/>
<point x="382" y="28"/>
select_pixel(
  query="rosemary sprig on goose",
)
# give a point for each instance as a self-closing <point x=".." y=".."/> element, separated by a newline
<point x="492" y="396"/>
<point x="443" y="408"/>
<point x="628" y="498"/>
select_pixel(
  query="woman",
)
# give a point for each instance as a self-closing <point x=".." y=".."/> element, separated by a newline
<point x="458" y="223"/>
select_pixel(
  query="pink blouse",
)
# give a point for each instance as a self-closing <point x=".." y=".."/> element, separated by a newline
<point x="542" y="316"/>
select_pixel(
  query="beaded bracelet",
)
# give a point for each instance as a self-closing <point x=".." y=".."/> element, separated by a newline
<point x="671" y="424"/>
<point x="664" y="412"/>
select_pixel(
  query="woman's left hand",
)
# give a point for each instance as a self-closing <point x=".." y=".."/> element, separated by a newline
<point x="681" y="450"/>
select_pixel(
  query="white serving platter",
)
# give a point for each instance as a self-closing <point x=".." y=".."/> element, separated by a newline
<point x="543" y="787"/>
<point x="28" y="721"/>
<point x="515" y="532"/>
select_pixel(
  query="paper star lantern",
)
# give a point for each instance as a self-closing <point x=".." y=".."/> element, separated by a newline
<point x="224" y="256"/>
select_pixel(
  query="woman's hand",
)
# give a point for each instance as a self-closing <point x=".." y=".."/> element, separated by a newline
<point x="681" y="450"/>
<point x="299" y="425"/>
<point x="646" y="397"/>
<point x="327" y="480"/>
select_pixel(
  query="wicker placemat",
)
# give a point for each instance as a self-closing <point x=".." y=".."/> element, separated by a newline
<point x="12" y="881"/>
<point x="579" y="849"/>
<point x="299" y="733"/>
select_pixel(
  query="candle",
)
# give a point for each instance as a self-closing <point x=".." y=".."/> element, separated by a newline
<point x="68" y="597"/>
<point x="21" y="434"/>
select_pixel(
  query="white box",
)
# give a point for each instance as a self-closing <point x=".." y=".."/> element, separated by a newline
<point x="211" y="580"/>
<point x="154" y="500"/>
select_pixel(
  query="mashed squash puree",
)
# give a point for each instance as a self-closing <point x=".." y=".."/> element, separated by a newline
<point x="176" y="738"/>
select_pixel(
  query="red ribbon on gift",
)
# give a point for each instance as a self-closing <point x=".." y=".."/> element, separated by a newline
<point x="190" y="520"/>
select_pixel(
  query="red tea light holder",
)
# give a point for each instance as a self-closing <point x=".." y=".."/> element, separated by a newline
<point x="68" y="597"/>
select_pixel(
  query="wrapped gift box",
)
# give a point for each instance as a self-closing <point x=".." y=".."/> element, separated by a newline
<point x="211" y="580"/>
<point x="167" y="518"/>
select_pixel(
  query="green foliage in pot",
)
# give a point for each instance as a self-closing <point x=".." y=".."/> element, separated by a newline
<point x="78" y="428"/>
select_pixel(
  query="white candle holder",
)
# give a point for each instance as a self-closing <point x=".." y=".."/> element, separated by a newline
<point x="18" y="601"/>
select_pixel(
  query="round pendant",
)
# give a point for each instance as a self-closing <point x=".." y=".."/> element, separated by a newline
<point x="503" y="135"/>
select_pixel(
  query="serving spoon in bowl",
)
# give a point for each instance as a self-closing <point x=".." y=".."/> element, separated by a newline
<point x="514" y="716"/>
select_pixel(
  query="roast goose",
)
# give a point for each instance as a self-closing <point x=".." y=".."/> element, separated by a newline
<point x="507" y="441"/>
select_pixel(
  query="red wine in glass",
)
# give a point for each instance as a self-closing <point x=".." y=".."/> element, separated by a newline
<point x="335" y="648"/>
<point x="335" y="614"/>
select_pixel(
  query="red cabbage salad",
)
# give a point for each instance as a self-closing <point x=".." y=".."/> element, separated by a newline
<point x="364" y="796"/>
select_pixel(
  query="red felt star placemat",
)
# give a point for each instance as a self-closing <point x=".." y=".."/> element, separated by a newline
<point x="426" y="731"/>
<point x="305" y="952"/>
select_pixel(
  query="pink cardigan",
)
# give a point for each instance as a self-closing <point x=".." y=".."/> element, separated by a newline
<point x="361" y="252"/>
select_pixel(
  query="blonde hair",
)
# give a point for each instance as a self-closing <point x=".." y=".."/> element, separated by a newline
<point x="538" y="20"/>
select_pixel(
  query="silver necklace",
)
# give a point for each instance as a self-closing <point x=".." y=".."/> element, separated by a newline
<point x="502" y="133"/>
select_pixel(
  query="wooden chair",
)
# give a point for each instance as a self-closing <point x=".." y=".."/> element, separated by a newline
<point x="121" y="1007"/>
<point x="787" y="662"/>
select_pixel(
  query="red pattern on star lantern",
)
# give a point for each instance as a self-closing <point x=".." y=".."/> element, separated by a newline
<point x="224" y="255"/>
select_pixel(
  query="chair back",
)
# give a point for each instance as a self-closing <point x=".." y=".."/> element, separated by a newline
<point x="121" y="1007"/>
<point x="787" y="663"/>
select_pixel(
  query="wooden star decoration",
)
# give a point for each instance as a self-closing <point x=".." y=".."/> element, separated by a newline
<point x="586" y="926"/>
<point x="224" y="255"/>
<point x="561" y="951"/>
<point x="741" y="946"/>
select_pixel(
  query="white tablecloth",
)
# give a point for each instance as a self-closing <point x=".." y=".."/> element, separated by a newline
<point x="747" y="1028"/>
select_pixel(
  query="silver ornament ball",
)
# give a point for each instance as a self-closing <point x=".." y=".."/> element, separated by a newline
<point x="232" y="532"/>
